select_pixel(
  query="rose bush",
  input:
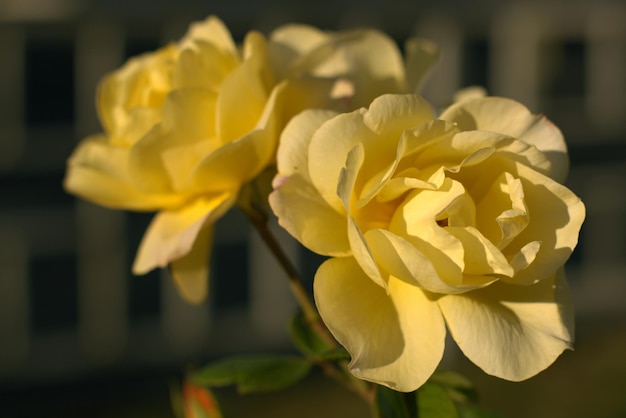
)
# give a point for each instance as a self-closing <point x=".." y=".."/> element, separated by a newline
<point x="187" y="126"/>
<point x="458" y="221"/>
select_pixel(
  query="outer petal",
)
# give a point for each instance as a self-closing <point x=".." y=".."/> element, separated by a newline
<point x="172" y="234"/>
<point x="293" y="151"/>
<point x="511" y="118"/>
<point x="389" y="115"/>
<point x="307" y="217"/>
<point x="395" y="340"/>
<point x="512" y="332"/>
<point x="191" y="272"/>
<point x="99" y="172"/>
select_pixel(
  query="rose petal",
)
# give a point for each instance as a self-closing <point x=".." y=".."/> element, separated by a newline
<point x="512" y="332"/>
<point x="511" y="118"/>
<point x="171" y="234"/>
<point x="290" y="42"/>
<point x="191" y="272"/>
<point x="556" y="216"/>
<point x="99" y="172"/>
<point x="328" y="150"/>
<point x="482" y="258"/>
<point x="360" y="249"/>
<point x="211" y="30"/>
<point x="233" y="164"/>
<point x="394" y="340"/>
<point x="203" y="65"/>
<point x="416" y="220"/>
<point x="403" y="260"/>
<point x="142" y="82"/>
<point x="293" y="152"/>
<point x="238" y="114"/>
<point x="502" y="213"/>
<point x="307" y="217"/>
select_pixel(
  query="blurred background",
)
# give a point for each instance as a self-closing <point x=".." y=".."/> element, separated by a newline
<point x="80" y="336"/>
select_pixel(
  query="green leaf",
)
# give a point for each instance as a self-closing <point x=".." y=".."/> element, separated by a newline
<point x="434" y="402"/>
<point x="392" y="404"/>
<point x="306" y="339"/>
<point x="311" y="344"/>
<point x="253" y="374"/>
<point x="458" y="386"/>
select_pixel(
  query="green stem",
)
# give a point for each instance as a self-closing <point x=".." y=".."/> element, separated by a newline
<point x="259" y="221"/>
<point x="302" y="297"/>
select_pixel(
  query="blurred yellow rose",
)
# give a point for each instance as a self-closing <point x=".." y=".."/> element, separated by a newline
<point x="456" y="221"/>
<point x="186" y="126"/>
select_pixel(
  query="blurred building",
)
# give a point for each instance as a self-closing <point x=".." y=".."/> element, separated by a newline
<point x="69" y="308"/>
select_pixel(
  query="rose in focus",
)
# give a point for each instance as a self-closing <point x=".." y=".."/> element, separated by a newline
<point x="459" y="221"/>
<point x="187" y="126"/>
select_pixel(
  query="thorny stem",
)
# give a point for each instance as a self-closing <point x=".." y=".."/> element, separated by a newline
<point x="308" y="308"/>
<point x="310" y="312"/>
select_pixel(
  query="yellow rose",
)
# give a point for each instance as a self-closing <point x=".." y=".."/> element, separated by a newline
<point x="186" y="126"/>
<point x="456" y="222"/>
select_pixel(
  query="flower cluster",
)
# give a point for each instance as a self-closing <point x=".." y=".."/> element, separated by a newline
<point x="187" y="126"/>
<point x="457" y="220"/>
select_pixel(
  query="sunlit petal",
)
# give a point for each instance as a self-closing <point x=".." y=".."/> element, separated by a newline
<point x="395" y="340"/>
<point x="509" y="331"/>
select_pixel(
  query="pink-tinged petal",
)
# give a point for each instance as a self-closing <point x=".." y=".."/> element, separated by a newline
<point x="307" y="217"/>
<point x="512" y="332"/>
<point x="511" y="118"/>
<point x="191" y="272"/>
<point x="99" y="172"/>
<point x="172" y="234"/>
<point x="395" y="339"/>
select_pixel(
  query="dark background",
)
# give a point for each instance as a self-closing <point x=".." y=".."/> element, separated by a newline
<point x="79" y="336"/>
